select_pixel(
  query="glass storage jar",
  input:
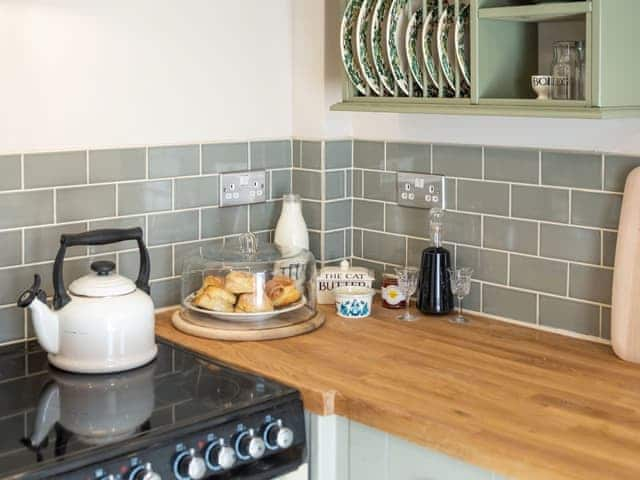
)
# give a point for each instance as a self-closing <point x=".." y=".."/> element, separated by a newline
<point x="241" y="281"/>
<point x="563" y="70"/>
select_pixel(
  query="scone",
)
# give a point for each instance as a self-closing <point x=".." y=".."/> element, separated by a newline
<point x="211" y="281"/>
<point x="282" y="291"/>
<point x="240" y="282"/>
<point x="253" y="303"/>
<point x="216" y="299"/>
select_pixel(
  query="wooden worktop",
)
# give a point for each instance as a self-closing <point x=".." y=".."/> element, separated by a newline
<point x="524" y="403"/>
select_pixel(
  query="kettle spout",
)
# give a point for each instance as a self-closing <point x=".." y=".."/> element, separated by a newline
<point x="45" y="321"/>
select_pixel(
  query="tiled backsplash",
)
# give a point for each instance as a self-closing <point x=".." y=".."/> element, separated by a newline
<point x="169" y="191"/>
<point x="538" y="227"/>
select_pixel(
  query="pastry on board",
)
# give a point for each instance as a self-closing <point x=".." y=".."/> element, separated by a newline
<point x="216" y="299"/>
<point x="282" y="291"/>
<point x="238" y="282"/>
<point x="211" y="281"/>
<point x="254" y="303"/>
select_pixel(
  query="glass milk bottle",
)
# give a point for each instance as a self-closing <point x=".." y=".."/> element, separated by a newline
<point x="291" y="230"/>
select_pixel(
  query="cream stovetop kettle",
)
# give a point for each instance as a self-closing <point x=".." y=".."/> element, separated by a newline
<point x="104" y="322"/>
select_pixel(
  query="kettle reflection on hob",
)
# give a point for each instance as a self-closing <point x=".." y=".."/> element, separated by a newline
<point x="95" y="409"/>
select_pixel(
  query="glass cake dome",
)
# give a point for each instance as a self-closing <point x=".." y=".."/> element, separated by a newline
<point x="242" y="281"/>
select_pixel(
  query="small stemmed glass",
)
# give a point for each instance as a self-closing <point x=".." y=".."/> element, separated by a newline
<point x="460" y="279"/>
<point x="407" y="283"/>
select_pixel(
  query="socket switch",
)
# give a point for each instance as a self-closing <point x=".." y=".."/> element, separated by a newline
<point x="241" y="188"/>
<point x="420" y="190"/>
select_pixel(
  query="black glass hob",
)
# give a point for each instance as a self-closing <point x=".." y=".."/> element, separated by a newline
<point x="180" y="417"/>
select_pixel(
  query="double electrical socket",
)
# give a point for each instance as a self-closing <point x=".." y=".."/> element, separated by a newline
<point x="421" y="190"/>
<point x="241" y="188"/>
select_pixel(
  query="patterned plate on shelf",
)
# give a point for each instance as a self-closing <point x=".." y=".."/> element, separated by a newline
<point x="430" y="26"/>
<point x="396" y="29"/>
<point x="411" y="47"/>
<point x="378" y="34"/>
<point x="446" y="20"/>
<point x="346" y="45"/>
<point x="363" y="31"/>
<point x="461" y="32"/>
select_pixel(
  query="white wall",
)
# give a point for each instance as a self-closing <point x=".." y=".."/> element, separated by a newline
<point x="92" y="73"/>
<point x="601" y="135"/>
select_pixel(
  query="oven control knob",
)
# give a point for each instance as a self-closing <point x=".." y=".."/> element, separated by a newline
<point x="220" y="456"/>
<point x="249" y="445"/>
<point x="190" y="466"/>
<point x="277" y="436"/>
<point x="144" y="473"/>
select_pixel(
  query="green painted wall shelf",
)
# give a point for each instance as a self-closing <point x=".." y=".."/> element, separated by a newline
<point x="506" y="47"/>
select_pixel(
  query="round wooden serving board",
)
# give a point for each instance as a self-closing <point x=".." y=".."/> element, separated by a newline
<point x="245" y="332"/>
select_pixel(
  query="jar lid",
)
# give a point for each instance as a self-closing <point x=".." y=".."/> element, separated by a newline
<point x="102" y="282"/>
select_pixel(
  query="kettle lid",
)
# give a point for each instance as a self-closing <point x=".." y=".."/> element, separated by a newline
<point x="102" y="282"/>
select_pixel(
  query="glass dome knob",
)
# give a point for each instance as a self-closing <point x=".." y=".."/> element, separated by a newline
<point x="248" y="244"/>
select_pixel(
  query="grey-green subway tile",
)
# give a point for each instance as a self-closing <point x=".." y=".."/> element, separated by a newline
<point x="570" y="243"/>
<point x="596" y="209"/>
<point x="368" y="214"/>
<point x="174" y="161"/>
<point x="513" y="235"/>
<point x="312" y="213"/>
<point x="349" y="182"/>
<point x="609" y="241"/>
<point x="509" y="303"/>
<point x="462" y="228"/>
<point x="357" y="243"/>
<point x="616" y="170"/>
<point x="334" y="185"/>
<point x="183" y="251"/>
<point x="41" y="244"/>
<point x="280" y="183"/>
<point x="457" y="161"/>
<point x="472" y="301"/>
<point x="55" y="169"/>
<point x="173" y="227"/>
<point x="218" y="222"/>
<point x="511" y="164"/>
<point x="273" y="154"/>
<point x="376" y="268"/>
<point x="117" y="164"/>
<point x="414" y="251"/>
<point x="540" y="203"/>
<point x="315" y="244"/>
<point x="307" y="184"/>
<point x="297" y="150"/>
<point x="591" y="283"/>
<point x="11" y="324"/>
<point x="605" y="323"/>
<point x="348" y="233"/>
<point x="22" y="209"/>
<point x="450" y="193"/>
<point x="124" y="222"/>
<point x="196" y="192"/>
<point x="483" y="197"/>
<point x="384" y="248"/>
<point x="334" y="245"/>
<point x="84" y="203"/>
<point x="225" y="157"/>
<point x="11" y="253"/>
<point x="579" y="170"/>
<point x="14" y="280"/>
<point x="357" y="183"/>
<point x="368" y="154"/>
<point x="538" y="274"/>
<point x="487" y="265"/>
<point x="570" y="315"/>
<point x="166" y="293"/>
<point x="10" y="172"/>
<point x="311" y="155"/>
<point x="264" y="216"/>
<point x="380" y="186"/>
<point x="337" y="214"/>
<point x="409" y="157"/>
<point x="407" y="220"/>
<point x="337" y="154"/>
<point x="161" y="263"/>
<point x="144" y="197"/>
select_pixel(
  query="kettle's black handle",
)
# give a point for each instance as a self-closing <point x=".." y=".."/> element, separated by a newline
<point x="98" y="237"/>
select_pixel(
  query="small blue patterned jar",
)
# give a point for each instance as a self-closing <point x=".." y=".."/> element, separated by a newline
<point x="353" y="302"/>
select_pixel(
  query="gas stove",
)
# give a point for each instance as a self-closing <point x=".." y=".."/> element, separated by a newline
<point x="180" y="417"/>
